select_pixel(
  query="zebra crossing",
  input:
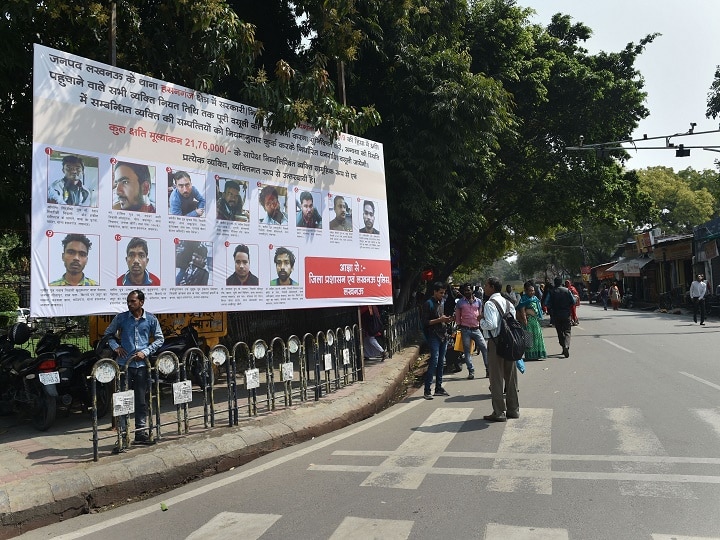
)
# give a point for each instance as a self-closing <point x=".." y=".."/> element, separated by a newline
<point x="225" y="526"/>
<point x="523" y="460"/>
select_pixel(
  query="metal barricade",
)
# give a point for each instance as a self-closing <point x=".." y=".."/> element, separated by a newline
<point x="312" y="366"/>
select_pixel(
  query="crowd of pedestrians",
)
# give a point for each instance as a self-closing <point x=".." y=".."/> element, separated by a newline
<point x="465" y="322"/>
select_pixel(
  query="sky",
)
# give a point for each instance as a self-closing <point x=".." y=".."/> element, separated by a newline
<point x="678" y="67"/>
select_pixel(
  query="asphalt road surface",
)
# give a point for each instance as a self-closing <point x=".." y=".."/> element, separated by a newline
<point x="619" y="441"/>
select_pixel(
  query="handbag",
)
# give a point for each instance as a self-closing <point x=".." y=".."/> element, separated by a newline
<point x="458" y="346"/>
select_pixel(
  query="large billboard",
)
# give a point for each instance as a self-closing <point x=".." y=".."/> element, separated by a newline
<point x="141" y="183"/>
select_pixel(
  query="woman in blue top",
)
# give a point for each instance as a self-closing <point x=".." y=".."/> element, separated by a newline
<point x="533" y="313"/>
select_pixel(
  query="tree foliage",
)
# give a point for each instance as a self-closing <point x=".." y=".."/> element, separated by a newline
<point x="478" y="106"/>
<point x="677" y="206"/>
<point x="713" y="105"/>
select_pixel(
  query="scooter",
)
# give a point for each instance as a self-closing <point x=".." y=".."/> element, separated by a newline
<point x="28" y="385"/>
<point x="627" y="300"/>
<point x="74" y="368"/>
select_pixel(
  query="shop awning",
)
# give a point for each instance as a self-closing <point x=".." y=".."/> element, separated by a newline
<point x="630" y="267"/>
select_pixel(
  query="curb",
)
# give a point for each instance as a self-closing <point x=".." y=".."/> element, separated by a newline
<point x="37" y="502"/>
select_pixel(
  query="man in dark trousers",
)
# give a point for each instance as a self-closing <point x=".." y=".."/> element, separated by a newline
<point x="559" y="301"/>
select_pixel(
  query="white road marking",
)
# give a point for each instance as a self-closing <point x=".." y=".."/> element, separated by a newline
<point x="197" y="492"/>
<point x="405" y="467"/>
<point x="618" y="346"/>
<point x="711" y="416"/>
<point x="355" y="528"/>
<point x="636" y="438"/>
<point x="553" y="457"/>
<point x="713" y="385"/>
<point x="225" y="526"/>
<point x="529" y="434"/>
<point x="495" y="531"/>
<point x="527" y="473"/>
<point x="679" y="537"/>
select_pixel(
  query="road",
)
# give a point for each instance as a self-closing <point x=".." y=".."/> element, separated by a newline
<point x="619" y="441"/>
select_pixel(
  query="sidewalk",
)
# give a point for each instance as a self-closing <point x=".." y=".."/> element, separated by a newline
<point x="49" y="477"/>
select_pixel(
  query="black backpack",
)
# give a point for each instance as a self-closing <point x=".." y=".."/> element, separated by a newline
<point x="512" y="339"/>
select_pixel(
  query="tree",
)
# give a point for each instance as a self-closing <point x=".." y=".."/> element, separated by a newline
<point x="713" y="105"/>
<point x="676" y="205"/>
<point x="478" y="106"/>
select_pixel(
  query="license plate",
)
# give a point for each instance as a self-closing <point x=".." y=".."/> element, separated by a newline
<point x="51" y="377"/>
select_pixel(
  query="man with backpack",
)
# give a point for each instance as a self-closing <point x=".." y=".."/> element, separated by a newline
<point x="559" y="302"/>
<point x="501" y="370"/>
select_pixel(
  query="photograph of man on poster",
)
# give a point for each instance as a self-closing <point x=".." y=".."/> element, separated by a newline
<point x="231" y="201"/>
<point x="133" y="187"/>
<point x="284" y="260"/>
<point x="369" y="218"/>
<point x="75" y="253"/>
<point x="242" y="274"/>
<point x="78" y="185"/>
<point x="343" y="215"/>
<point x="307" y="214"/>
<point x="137" y="257"/>
<point x="273" y="204"/>
<point x="192" y="264"/>
<point x="185" y="199"/>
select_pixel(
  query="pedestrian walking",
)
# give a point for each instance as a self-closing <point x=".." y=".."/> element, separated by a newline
<point x="698" y="290"/>
<point x="530" y="304"/>
<point x="605" y="296"/>
<point x="559" y="302"/>
<point x="573" y="310"/>
<point x="467" y="318"/>
<point x="615" y="296"/>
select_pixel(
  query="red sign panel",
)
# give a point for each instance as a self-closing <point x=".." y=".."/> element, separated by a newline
<point x="327" y="277"/>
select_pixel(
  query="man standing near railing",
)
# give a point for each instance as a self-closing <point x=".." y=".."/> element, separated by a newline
<point x="135" y="335"/>
<point x="698" y="289"/>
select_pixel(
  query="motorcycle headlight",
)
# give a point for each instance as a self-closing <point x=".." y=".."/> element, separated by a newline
<point x="105" y="372"/>
<point x="259" y="349"/>
<point x="218" y="355"/>
<point x="293" y="344"/>
<point x="330" y="337"/>
<point x="165" y="363"/>
<point x="348" y="334"/>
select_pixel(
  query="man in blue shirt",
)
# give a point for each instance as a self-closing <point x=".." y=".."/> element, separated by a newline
<point x="134" y="336"/>
<point x="185" y="199"/>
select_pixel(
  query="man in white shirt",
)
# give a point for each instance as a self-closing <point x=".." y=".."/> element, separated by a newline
<point x="698" y="289"/>
<point x="500" y="369"/>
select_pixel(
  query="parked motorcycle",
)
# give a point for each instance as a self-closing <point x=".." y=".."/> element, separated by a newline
<point x="28" y="385"/>
<point x="75" y="369"/>
<point x="179" y="344"/>
<point x="627" y="300"/>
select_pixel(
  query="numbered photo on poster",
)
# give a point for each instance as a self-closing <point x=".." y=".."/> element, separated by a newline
<point x="193" y="263"/>
<point x="137" y="259"/>
<point x="72" y="179"/>
<point x="133" y="187"/>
